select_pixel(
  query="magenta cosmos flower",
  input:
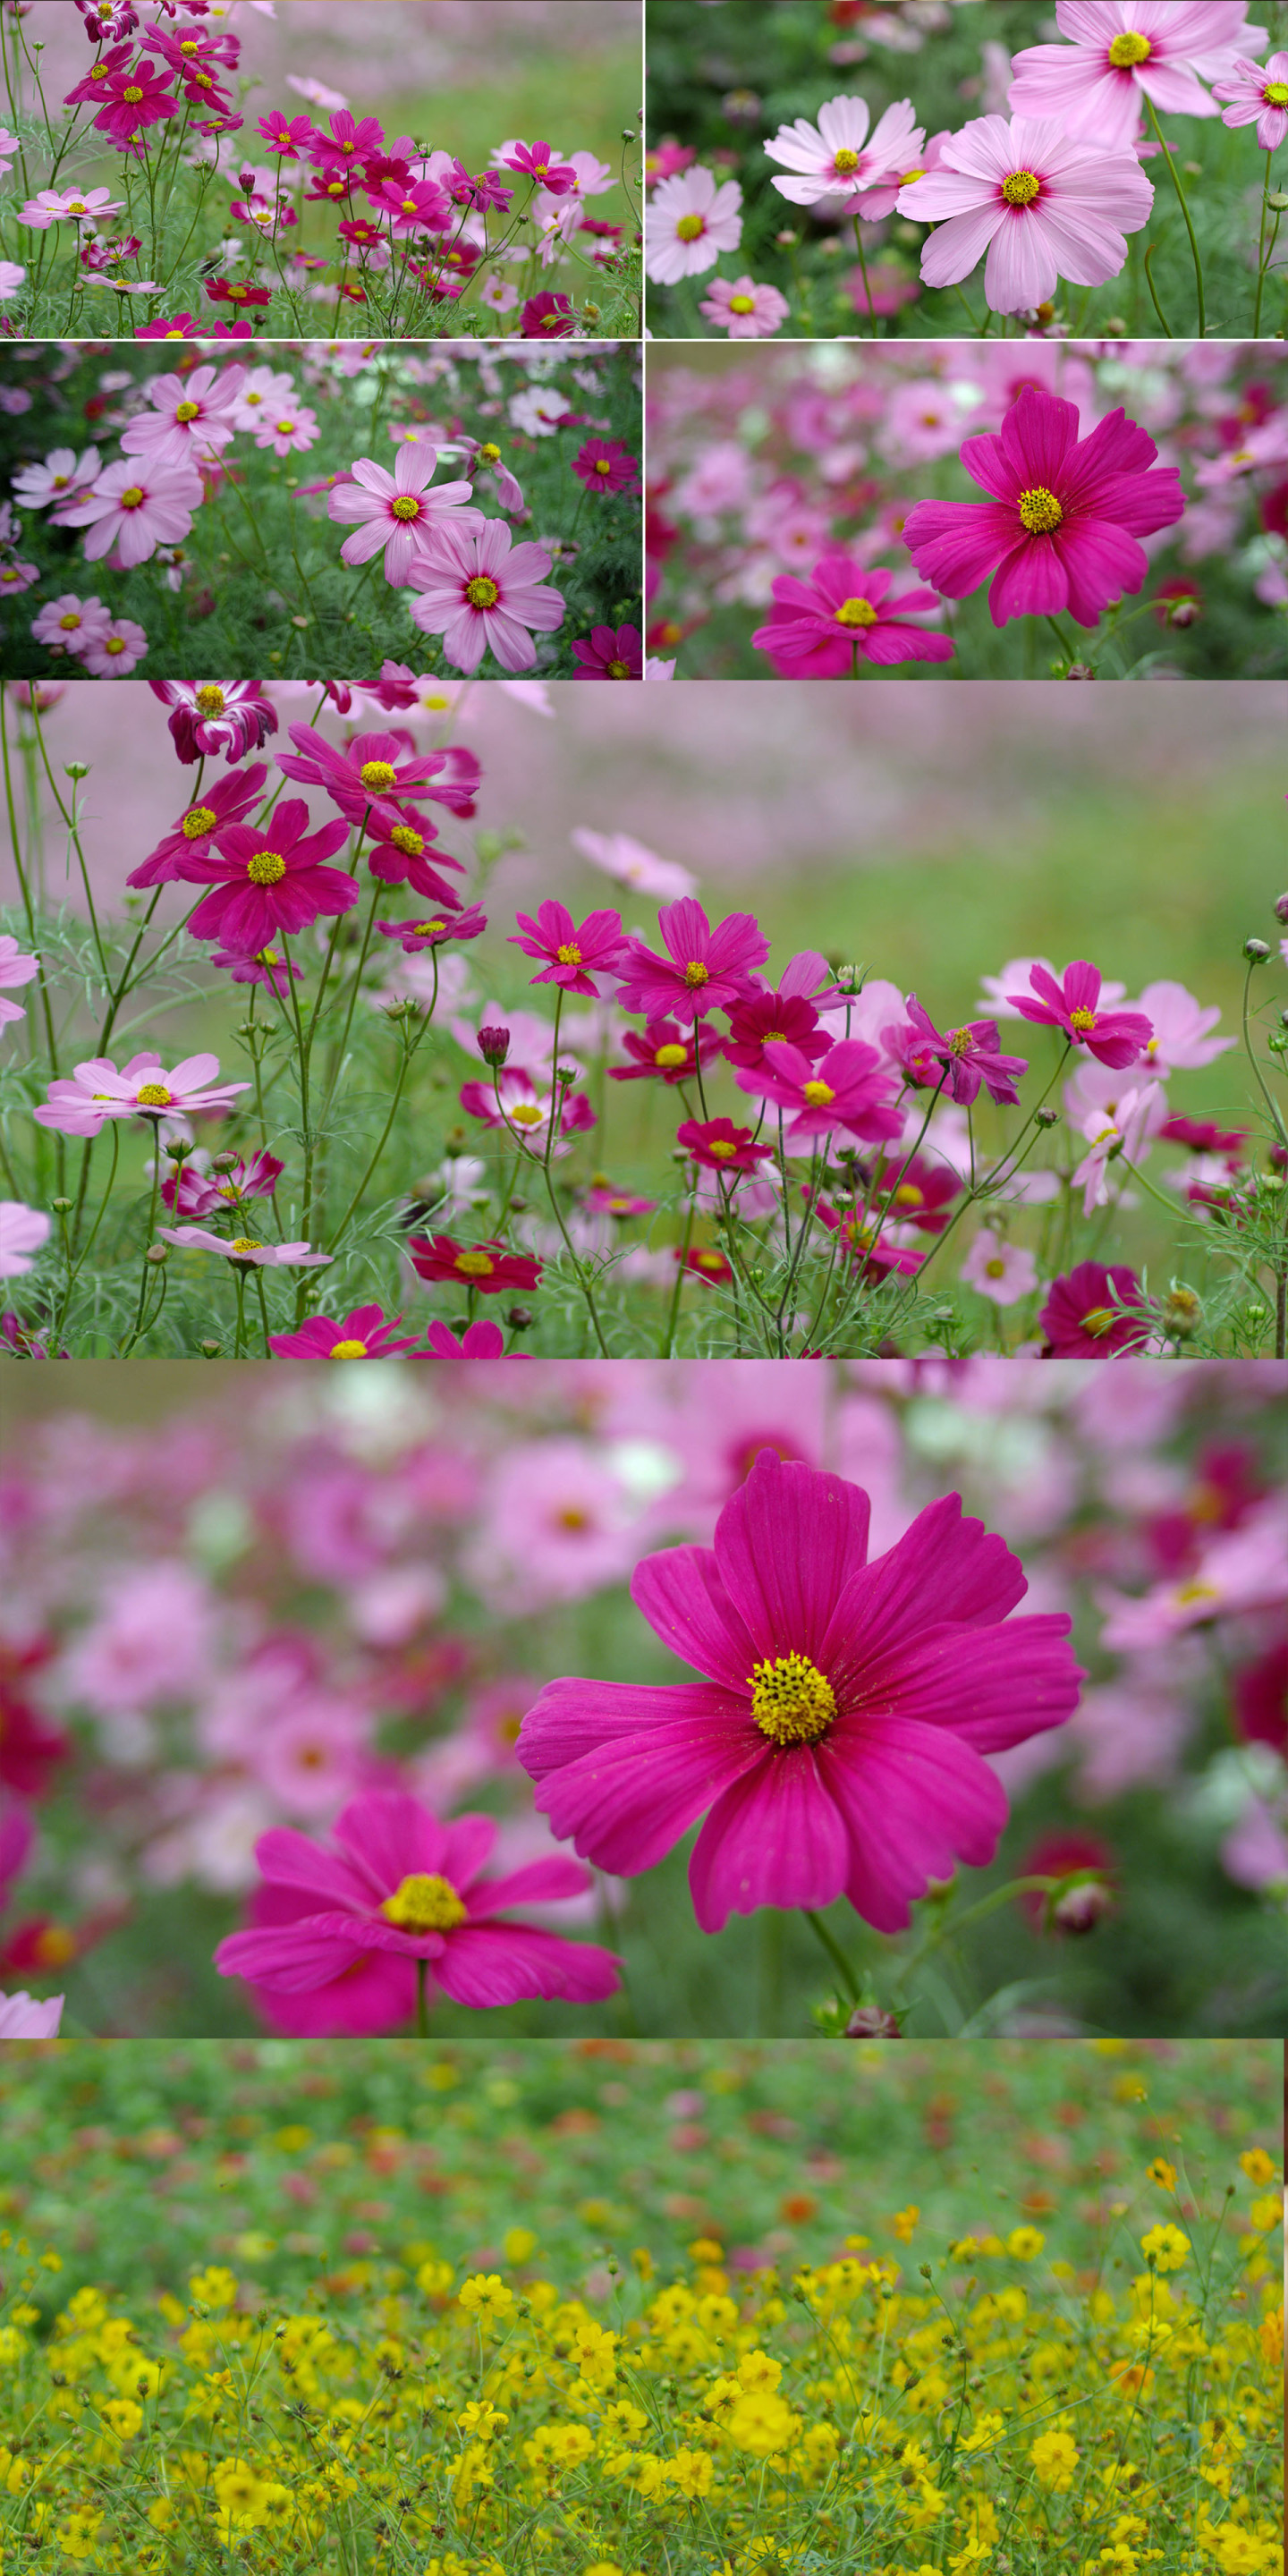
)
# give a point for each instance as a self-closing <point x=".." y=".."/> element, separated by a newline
<point x="1063" y="525"/>
<point x="1115" y="1038"/>
<point x="837" y="1739"/>
<point x="488" y="1267"/>
<point x="1084" y="1318"/>
<point x="843" y="604"/>
<point x="848" y="1087"/>
<point x="480" y="1341"/>
<point x="961" y="1059"/>
<point x="269" y="878"/>
<point x="609" y="653"/>
<point x="1256" y="96"/>
<point x="691" y="219"/>
<point x="705" y="969"/>
<point x="136" y="506"/>
<point x="402" y="1883"/>
<point x="573" y="956"/>
<point x="212" y="716"/>
<point x="1042" y="207"/>
<point x="482" y="593"/>
<point x="719" y="1146"/>
<point x="367" y="1334"/>
<point x="363" y="777"/>
<point x="223" y="803"/>
<point x="397" y="510"/>
<point x="606" y="465"/>
<point x="837" y="158"/>
<point x="1119" y="53"/>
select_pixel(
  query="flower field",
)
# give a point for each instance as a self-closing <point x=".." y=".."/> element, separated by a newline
<point x="316" y="508"/>
<point x="711" y="2330"/>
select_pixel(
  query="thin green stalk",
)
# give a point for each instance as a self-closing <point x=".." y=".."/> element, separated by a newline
<point x="1153" y="291"/>
<point x="680" y="1275"/>
<point x="1166" y="150"/>
<point x="422" y="2009"/>
<point x="1261" y="249"/>
<point x="834" y="1951"/>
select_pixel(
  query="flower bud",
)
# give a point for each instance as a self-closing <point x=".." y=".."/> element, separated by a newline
<point x="1080" y="671"/>
<point x="157" y="1253"/>
<point x="494" y="1045"/>
<point x="869" y="2022"/>
<point x="519" y="1318"/>
<point x="1047" y="1117"/>
<point x="1082" y="1907"/>
<point x="75" y="769"/>
<point x="1256" y="951"/>
<point x="1181" y="1312"/>
<point x="1281" y="907"/>
<point x="209" y="1350"/>
<point x="223" y="1163"/>
<point x="60" y="1206"/>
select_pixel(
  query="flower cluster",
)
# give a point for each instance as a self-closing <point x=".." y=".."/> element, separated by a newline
<point x="1110" y="492"/>
<point x="1042" y="188"/>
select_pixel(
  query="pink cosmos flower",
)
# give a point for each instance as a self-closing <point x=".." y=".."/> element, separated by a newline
<point x="290" y="431"/>
<point x="631" y="864"/>
<point x="1124" y="1128"/>
<point x="835" y="157"/>
<point x="573" y="956"/>
<point x="193" y="1193"/>
<point x="547" y="317"/>
<point x="367" y="1334"/>
<point x="268" y="878"/>
<point x="1042" y="206"/>
<point x="843" y="606"/>
<point x="525" y="1110"/>
<point x="482" y="593"/>
<point x="191" y="416"/>
<point x="435" y="930"/>
<point x="1120" y="52"/>
<point x="609" y="653"/>
<point x="133" y="99"/>
<point x="244" y="1247"/>
<point x="223" y="803"/>
<point x="136" y="506"/>
<point x="540" y="161"/>
<point x="718" y="1146"/>
<point x="1256" y="95"/>
<point x="365" y="775"/>
<point x="837" y="1742"/>
<point x="1115" y="1038"/>
<point x="705" y="969"/>
<point x="1239" y="1570"/>
<point x="486" y="1267"/>
<point x="480" y="1341"/>
<point x="393" y="510"/>
<point x="63" y="473"/>
<point x="667" y="1053"/>
<point x="58" y="205"/>
<point x="961" y="1059"/>
<point x="606" y="465"/>
<point x="690" y="221"/>
<point x="96" y="1091"/>
<point x="15" y="969"/>
<point x="849" y="1087"/>
<point x="22" y="1232"/>
<point x="998" y="1269"/>
<point x="1085" y="1316"/>
<point x="114" y="649"/>
<point x="1062" y="527"/>
<point x="12" y="276"/>
<point x="744" y="309"/>
<point x="401" y="1883"/>
<point x="21" y="2017"/>
<point x="16" y="577"/>
<point x="1180" y="1040"/>
<point x="208" y="717"/>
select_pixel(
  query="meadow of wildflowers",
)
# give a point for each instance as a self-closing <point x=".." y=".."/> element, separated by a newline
<point x="620" y="2309"/>
<point x="868" y="168"/>
<point x="350" y="1704"/>
<point x="310" y="508"/>
<point x="1094" y="512"/>
<point x="153" y="186"/>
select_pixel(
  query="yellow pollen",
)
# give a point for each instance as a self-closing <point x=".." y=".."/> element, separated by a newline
<point x="568" y="956"/>
<point x="132" y="96"/>
<point x="379" y="776"/>
<point x="818" y="1094"/>
<point x="910" y="175"/>
<point x="195" y="825"/>
<point x="409" y="206"/>
<point x="115" y="644"/>
<point x="246" y="1243"/>
<point x="856" y="612"/>
<point x="347" y="1351"/>
<point x="995" y="1269"/>
<point x="411" y="843"/>
<point x="428" y="929"/>
<point x="186" y="411"/>
<point x="1082" y="1022"/>
<point x="690" y="228"/>
<point x="286" y="429"/>
<point x="475" y="1265"/>
<point x="130" y="500"/>
<point x="619" y="670"/>
<point x="1275" y="93"/>
<point x="1040" y="512"/>
<point x="844" y="162"/>
<point x="708" y="1260"/>
<point x="1021" y="188"/>
<point x="153" y="1095"/>
<point x="603" y="465"/>
<point x="68" y="624"/>
<point x="210" y="699"/>
<point x="424" y="1903"/>
<point x="267" y="868"/>
<point x="78" y="207"/>
<point x="960" y="1041"/>
<point x="1100" y="1320"/>
<point x="406" y="506"/>
<point x="696" y="974"/>
<point x="203" y="79"/>
<point x="55" y="1946"/>
<point x="908" y="1195"/>
<point x="671" y="1055"/>
<point x="1129" y="48"/>
<point x="721" y="1149"/>
<point x="482" y="592"/>
<point x="742" y="304"/>
<point x="525" y="1114"/>
<point x="1187" y="1592"/>
<point x="791" y="1700"/>
<point x="489" y="455"/>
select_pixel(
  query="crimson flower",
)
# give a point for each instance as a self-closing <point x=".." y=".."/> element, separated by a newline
<point x="609" y="653"/>
<point x="918" y="1192"/>
<point x="959" y="1059"/>
<point x="836" y="1742"/>
<point x="547" y="317"/>
<point x="485" y="1266"/>
<point x="226" y="291"/>
<point x="721" y="1147"/>
<point x="223" y="803"/>
<point x="865" y="1246"/>
<point x="1084" y="1317"/>
<point x="848" y="1087"/>
<point x="705" y="1264"/>
<point x="666" y="1054"/>
<point x="606" y="465"/>
<point x="784" y="1019"/>
<point x="232" y="716"/>
<point x="30" y="1748"/>
<point x="269" y="878"/>
<point x="705" y="970"/>
<point x="573" y="956"/>
<point x="1115" y="1038"/>
<point x="843" y="605"/>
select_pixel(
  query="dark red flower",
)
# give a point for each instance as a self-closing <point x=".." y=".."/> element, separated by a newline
<point x="667" y="1053"/>
<point x="1086" y="1314"/>
<point x="29" y="1746"/>
<point x="485" y="1266"/>
<point x="222" y="291"/>
<point x="547" y="317"/>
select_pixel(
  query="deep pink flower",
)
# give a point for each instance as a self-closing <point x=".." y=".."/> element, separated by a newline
<point x="604" y="1200"/>
<point x="397" y="510"/>
<point x="488" y="1267"/>
<point x="209" y="717"/>
<point x="136" y="506"/>
<point x="866" y="1247"/>
<point x="538" y="161"/>
<point x="705" y="970"/>
<point x="398" y="858"/>
<point x="435" y="930"/>
<point x="915" y="1191"/>
<point x="269" y="878"/>
<point x="667" y="1053"/>
<point x="226" y="290"/>
<point x="782" y="1018"/>
<point x="30" y="1748"/>
<point x="482" y="593"/>
<point x="194" y="1193"/>
<point x="367" y="1334"/>
<point x="961" y="1059"/>
<point x="368" y="773"/>
<point x="133" y="98"/>
<point x="1120" y="52"/>
<point x="719" y="1146"/>
<point x="179" y="326"/>
<point x="609" y="653"/>
<point x="404" y="1884"/>
<point x="349" y="142"/>
<point x="606" y="465"/>
<point x="1260" y="1693"/>
<point x="837" y="1739"/>
<point x="848" y="1087"/>
<point x="289" y="134"/>
<point x="1042" y="205"/>
<point x="200" y="827"/>
<point x="1084" y="1317"/>
<point x="266" y="966"/>
<point x="547" y="317"/>
<point x="1066" y="513"/>
<point x="573" y="956"/>
<point x="479" y="1341"/>
<point x="1115" y="1038"/>
<point x="1253" y="94"/>
<point x="843" y="604"/>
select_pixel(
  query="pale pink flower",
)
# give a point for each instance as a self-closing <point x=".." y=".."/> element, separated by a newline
<point x="15" y="969"/>
<point x="1130" y="1731"/>
<point x="70" y="625"/>
<point x="136" y="506"/>
<point x="15" y="577"/>
<point x="691" y="219"/>
<point x="1000" y="1270"/>
<point x="1255" y="1851"/>
<point x="11" y="278"/>
<point x="924" y="420"/>
<point x="22" y="1231"/>
<point x="994" y="988"/>
<point x="1243" y="1569"/>
<point x="289" y="431"/>
<point x="78" y="1104"/>
<point x="632" y="865"/>
<point x="1123" y="1131"/>
<point x="263" y="1256"/>
<point x="1180" y="1042"/>
<point x="1265" y="445"/>
<point x="1121" y="52"/>
<point x="151" y="1642"/>
<point x="309" y="1756"/>
<point x="112" y="650"/>
<point x="743" y="309"/>
<point x="397" y="511"/>
<point x="265" y="389"/>
<point x="1255" y="94"/>
<point x="191" y="417"/>
<point x="1041" y="207"/>
<point x="58" y="205"/>
<point x="482" y="593"/>
<point x="559" y="1524"/>
<point x="61" y="476"/>
<point x="836" y="158"/>
<point x="21" y="2017"/>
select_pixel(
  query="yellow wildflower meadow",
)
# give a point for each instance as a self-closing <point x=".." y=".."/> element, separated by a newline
<point x="982" y="2413"/>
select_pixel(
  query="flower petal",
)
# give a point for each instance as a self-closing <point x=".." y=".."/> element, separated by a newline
<point x="786" y="1545"/>
<point x="775" y="1837"/>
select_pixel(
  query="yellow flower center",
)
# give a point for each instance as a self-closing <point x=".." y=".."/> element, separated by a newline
<point x="856" y="612"/>
<point x="153" y="1095"/>
<point x="130" y="500"/>
<point x="489" y="455"/>
<point x="995" y="1269"/>
<point x="1129" y="48"/>
<point x="286" y="429"/>
<point x="709" y="1260"/>
<point x="696" y="974"/>
<point x="132" y="96"/>
<point x="1021" y="188"/>
<point x="1275" y="93"/>
<point x="406" y="506"/>
<point x="1040" y="512"/>
<point x="791" y="1700"/>
<point x="603" y="465"/>
<point x="690" y="228"/>
<point x="908" y="176"/>
<point x="246" y="1243"/>
<point x="568" y="956"/>
<point x="347" y="1351"/>
<point x="68" y="624"/>
<point x="379" y="776"/>
<point x="619" y="670"/>
<point x="411" y="843"/>
<point x="818" y="1094"/>
<point x="524" y="1114"/>
<point x="482" y="592"/>
<point x="115" y="644"/>
<point x="268" y="867"/>
<point x="55" y="1946"/>
<point x="187" y="410"/>
<point x="671" y="1055"/>
<point x="475" y="1265"/>
<point x="742" y="304"/>
<point x="239" y="293"/>
<point x="908" y="1195"/>
<point x="845" y="162"/>
<point x="1100" y="1320"/>
<point x="428" y="929"/>
<point x="195" y="825"/>
<point x="210" y="699"/>
<point x="1082" y="1022"/>
<point x="424" y="1903"/>
<point x="721" y="1149"/>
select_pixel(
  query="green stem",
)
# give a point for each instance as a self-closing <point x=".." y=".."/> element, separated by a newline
<point x="1153" y="290"/>
<point x="1261" y="249"/>
<point x="422" y="2008"/>
<point x="835" y="1953"/>
<point x="1166" y="151"/>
